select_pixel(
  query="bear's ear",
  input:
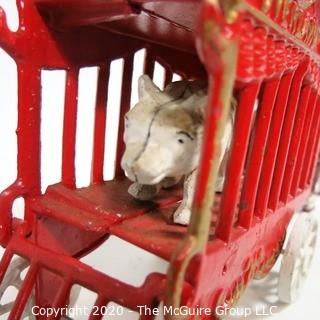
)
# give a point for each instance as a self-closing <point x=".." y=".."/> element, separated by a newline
<point x="147" y="89"/>
<point x="196" y="106"/>
<point x="185" y="88"/>
<point x="177" y="89"/>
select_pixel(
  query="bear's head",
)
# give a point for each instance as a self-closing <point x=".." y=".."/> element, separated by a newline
<point x="163" y="131"/>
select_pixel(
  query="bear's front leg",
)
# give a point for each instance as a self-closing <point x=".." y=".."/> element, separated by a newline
<point x="183" y="213"/>
<point x="144" y="192"/>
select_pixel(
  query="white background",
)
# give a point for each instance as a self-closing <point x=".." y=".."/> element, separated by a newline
<point x="128" y="263"/>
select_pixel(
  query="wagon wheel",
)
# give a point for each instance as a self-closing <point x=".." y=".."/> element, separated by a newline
<point x="13" y="278"/>
<point x="297" y="257"/>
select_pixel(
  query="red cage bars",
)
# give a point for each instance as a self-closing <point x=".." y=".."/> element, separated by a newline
<point x="100" y="124"/>
<point x="124" y="108"/>
<point x="272" y="147"/>
<point x="302" y="150"/>
<point x="242" y="128"/>
<point x="75" y="272"/>
<point x="311" y="145"/>
<point x="284" y="61"/>
<point x="254" y="164"/>
<point x="69" y="129"/>
<point x="314" y="155"/>
<point x="286" y="134"/>
<point x="295" y="142"/>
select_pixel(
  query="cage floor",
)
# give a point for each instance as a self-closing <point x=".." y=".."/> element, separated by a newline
<point x="109" y="208"/>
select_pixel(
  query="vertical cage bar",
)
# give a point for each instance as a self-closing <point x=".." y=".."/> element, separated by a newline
<point x="99" y="304"/>
<point x="303" y="144"/>
<point x="124" y="108"/>
<point x="100" y="124"/>
<point x="286" y="135"/>
<point x="168" y="76"/>
<point x="272" y="145"/>
<point x="254" y="166"/>
<point x="315" y="155"/>
<point x="62" y="296"/>
<point x="24" y="293"/>
<point x="69" y="128"/>
<point x="29" y="126"/>
<point x="310" y="147"/>
<point x="149" y="63"/>
<point x="238" y="151"/>
<point x="295" y="143"/>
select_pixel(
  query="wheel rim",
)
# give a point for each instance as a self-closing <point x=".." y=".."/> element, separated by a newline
<point x="297" y="257"/>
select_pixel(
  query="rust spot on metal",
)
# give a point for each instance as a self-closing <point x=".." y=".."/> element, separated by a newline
<point x="243" y="205"/>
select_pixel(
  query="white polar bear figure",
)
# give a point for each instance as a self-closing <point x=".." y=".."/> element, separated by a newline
<point x="163" y="135"/>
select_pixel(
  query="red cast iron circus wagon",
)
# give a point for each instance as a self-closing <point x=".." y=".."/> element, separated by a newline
<point x="264" y="51"/>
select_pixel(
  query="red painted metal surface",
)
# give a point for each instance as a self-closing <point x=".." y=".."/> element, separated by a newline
<point x="272" y="146"/>
<point x="124" y="108"/>
<point x="271" y="164"/>
<point x="69" y="130"/>
<point x="66" y="14"/>
<point x="310" y="146"/>
<point x="302" y="154"/>
<point x="314" y="156"/>
<point x="295" y="143"/>
<point x="100" y="124"/>
<point x="286" y="135"/>
<point x="242" y="128"/>
<point x="255" y="162"/>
